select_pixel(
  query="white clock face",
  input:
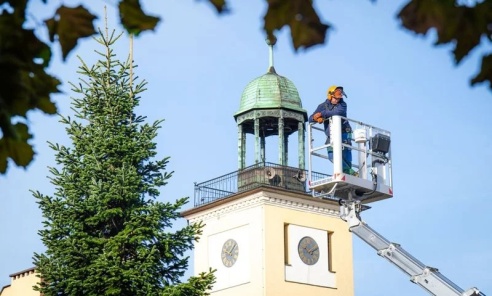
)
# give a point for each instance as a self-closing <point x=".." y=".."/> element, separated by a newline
<point x="229" y="253"/>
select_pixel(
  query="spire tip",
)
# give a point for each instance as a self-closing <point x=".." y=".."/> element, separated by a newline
<point x="271" y="40"/>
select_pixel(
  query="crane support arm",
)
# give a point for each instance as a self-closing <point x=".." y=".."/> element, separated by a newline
<point x="427" y="277"/>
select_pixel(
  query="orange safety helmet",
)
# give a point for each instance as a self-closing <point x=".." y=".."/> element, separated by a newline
<point x="331" y="90"/>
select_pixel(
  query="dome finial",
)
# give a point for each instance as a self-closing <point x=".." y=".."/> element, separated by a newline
<point x="271" y="40"/>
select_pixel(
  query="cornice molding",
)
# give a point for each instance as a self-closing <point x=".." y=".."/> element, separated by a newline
<point x="278" y="113"/>
<point x="304" y="204"/>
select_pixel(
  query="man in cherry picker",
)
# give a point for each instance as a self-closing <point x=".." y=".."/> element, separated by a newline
<point x="335" y="105"/>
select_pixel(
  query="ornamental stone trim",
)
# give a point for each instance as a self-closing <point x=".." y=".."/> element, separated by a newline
<point x="253" y="114"/>
<point x="261" y="199"/>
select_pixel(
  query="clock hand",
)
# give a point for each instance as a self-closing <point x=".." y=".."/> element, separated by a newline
<point x="229" y="252"/>
<point x="312" y="250"/>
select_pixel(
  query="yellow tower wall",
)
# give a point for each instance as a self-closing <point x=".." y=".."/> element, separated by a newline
<point x="260" y="221"/>
<point x="340" y="252"/>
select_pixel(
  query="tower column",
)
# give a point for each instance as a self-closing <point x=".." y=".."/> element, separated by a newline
<point x="286" y="150"/>
<point x="262" y="148"/>
<point x="281" y="141"/>
<point x="241" y="147"/>
<point x="257" y="141"/>
<point x="301" y="148"/>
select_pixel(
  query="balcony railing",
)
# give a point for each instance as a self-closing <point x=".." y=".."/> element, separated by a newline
<point x="258" y="175"/>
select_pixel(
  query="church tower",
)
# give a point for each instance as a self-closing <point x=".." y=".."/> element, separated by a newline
<point x="264" y="233"/>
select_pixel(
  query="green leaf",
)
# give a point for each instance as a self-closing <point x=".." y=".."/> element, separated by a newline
<point x="24" y="86"/>
<point x="3" y="156"/>
<point x="51" y="25"/>
<point x="485" y="73"/>
<point x="305" y="26"/>
<point x="467" y="32"/>
<point x="22" y="131"/>
<point x="18" y="149"/>
<point x="461" y="25"/>
<point x="421" y="15"/>
<point x="458" y="24"/>
<point x="134" y="19"/>
<point x="219" y="5"/>
<point x="70" y="24"/>
<point x="21" y="153"/>
<point x="46" y="105"/>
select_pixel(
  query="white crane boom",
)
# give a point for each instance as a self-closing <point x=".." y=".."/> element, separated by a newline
<point x="427" y="277"/>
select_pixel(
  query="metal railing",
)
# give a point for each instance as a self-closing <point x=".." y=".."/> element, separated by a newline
<point x="257" y="175"/>
<point x="364" y="152"/>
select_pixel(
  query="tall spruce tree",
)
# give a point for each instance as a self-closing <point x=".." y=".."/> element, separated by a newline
<point x="104" y="231"/>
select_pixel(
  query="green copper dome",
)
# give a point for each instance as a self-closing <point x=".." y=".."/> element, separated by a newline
<point x="270" y="91"/>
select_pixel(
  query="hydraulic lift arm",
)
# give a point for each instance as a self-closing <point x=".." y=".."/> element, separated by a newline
<point x="427" y="277"/>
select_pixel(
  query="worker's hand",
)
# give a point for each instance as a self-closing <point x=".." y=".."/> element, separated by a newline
<point x="316" y="116"/>
<point x="320" y="120"/>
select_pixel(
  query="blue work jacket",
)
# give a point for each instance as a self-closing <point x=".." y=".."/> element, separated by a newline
<point x="327" y="109"/>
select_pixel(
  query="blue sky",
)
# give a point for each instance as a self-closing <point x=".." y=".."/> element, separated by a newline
<point x="197" y="65"/>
